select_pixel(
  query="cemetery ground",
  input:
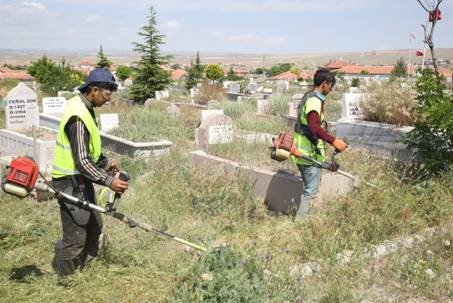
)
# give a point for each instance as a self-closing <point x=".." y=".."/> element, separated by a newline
<point x="253" y="256"/>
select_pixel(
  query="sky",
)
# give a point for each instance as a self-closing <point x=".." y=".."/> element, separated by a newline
<point x="234" y="26"/>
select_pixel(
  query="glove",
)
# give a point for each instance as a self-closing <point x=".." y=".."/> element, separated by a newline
<point x="339" y="145"/>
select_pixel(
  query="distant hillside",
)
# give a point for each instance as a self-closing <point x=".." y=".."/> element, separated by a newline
<point x="250" y="60"/>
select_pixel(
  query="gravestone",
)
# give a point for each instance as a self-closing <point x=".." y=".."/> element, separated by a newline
<point x="162" y="94"/>
<point x="234" y="88"/>
<point x="262" y="107"/>
<point x="252" y="86"/>
<point x="350" y="109"/>
<point x="294" y="104"/>
<point x="149" y="102"/>
<point x="53" y="105"/>
<point x="354" y="90"/>
<point x="174" y="110"/>
<point x="128" y="82"/>
<point x="282" y="86"/>
<point x="214" y="129"/>
<point x="21" y="108"/>
<point x="109" y="121"/>
<point x="267" y="90"/>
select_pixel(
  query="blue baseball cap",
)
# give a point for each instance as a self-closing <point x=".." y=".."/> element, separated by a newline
<point x="100" y="77"/>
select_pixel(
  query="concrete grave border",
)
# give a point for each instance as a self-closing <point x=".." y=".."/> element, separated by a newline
<point x="13" y="143"/>
<point x="280" y="191"/>
<point x="117" y="144"/>
<point x="381" y="136"/>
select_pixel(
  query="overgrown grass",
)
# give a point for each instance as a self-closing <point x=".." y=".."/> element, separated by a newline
<point x="210" y="208"/>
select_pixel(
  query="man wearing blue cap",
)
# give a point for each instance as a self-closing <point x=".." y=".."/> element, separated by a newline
<point x="78" y="163"/>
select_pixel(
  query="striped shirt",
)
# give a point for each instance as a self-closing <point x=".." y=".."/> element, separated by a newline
<point x="79" y="138"/>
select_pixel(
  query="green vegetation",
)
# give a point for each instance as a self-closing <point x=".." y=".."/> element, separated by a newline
<point x="355" y="82"/>
<point x="390" y="103"/>
<point x="400" y="69"/>
<point x="433" y="134"/>
<point x="231" y="75"/>
<point x="55" y="77"/>
<point x="123" y="72"/>
<point x="103" y="61"/>
<point x="149" y="75"/>
<point x="195" y="73"/>
<point x="214" y="72"/>
<point x="6" y="85"/>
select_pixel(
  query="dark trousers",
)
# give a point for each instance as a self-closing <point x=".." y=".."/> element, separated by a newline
<point x="81" y="229"/>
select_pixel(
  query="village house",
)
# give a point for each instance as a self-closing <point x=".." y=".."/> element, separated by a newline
<point x="15" y="75"/>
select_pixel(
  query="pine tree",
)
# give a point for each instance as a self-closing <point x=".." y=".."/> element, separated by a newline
<point x="103" y="61"/>
<point x="195" y="73"/>
<point x="400" y="68"/>
<point x="150" y="77"/>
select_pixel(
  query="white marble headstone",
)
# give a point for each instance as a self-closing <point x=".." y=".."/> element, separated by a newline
<point x="350" y="109"/>
<point x="234" y="88"/>
<point x="109" y="121"/>
<point x="53" y="105"/>
<point x="282" y="86"/>
<point x="21" y="108"/>
<point x="262" y="106"/>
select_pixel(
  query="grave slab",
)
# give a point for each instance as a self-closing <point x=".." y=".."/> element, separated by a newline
<point x="280" y="191"/>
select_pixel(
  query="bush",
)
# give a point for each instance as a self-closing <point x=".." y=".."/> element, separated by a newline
<point x="222" y="275"/>
<point x="432" y="137"/>
<point x="355" y="82"/>
<point x="210" y="92"/>
<point x="390" y="103"/>
<point x="279" y="104"/>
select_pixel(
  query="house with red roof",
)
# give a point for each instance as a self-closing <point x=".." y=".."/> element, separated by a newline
<point x="178" y="74"/>
<point x="15" y="74"/>
<point x="336" y="64"/>
<point x="291" y="77"/>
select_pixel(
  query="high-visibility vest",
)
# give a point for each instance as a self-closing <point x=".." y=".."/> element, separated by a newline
<point x="63" y="163"/>
<point x="303" y="139"/>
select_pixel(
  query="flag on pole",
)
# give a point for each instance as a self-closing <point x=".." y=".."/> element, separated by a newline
<point x="419" y="53"/>
<point x="413" y="36"/>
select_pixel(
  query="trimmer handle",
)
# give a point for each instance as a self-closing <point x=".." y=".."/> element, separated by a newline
<point x="123" y="176"/>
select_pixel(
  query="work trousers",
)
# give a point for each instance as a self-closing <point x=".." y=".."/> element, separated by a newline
<point x="311" y="177"/>
<point x="81" y="229"/>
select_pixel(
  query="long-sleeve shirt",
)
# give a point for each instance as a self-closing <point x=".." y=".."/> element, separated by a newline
<point x="314" y="123"/>
<point x="79" y="138"/>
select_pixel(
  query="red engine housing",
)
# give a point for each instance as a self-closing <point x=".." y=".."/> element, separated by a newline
<point x="23" y="171"/>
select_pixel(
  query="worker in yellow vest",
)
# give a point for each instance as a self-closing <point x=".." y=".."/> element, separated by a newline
<point x="78" y="163"/>
<point x="310" y="136"/>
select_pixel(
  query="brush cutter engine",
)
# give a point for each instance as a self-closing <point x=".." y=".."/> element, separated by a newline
<point x="283" y="147"/>
<point x="20" y="177"/>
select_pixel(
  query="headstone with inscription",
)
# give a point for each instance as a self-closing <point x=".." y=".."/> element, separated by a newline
<point x="53" y="105"/>
<point x="262" y="107"/>
<point x="234" y="88"/>
<point x="21" y="108"/>
<point x="350" y="109"/>
<point x="109" y="121"/>
<point x="214" y="129"/>
<point x="252" y="86"/>
<point x="294" y="104"/>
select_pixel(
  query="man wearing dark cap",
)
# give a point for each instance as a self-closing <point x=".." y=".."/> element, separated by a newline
<point x="78" y="163"/>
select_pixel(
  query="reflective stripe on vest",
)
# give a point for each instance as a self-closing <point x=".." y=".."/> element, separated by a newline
<point x="301" y="141"/>
<point x="63" y="163"/>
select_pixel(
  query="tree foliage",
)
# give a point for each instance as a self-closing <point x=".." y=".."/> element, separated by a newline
<point x="278" y="69"/>
<point x="55" y="77"/>
<point x="123" y="72"/>
<point x="400" y="68"/>
<point x="103" y="61"/>
<point x="232" y="76"/>
<point x="195" y="73"/>
<point x="149" y="75"/>
<point x="214" y="72"/>
<point x="432" y="137"/>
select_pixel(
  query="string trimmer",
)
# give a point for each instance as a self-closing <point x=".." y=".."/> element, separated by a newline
<point x="283" y="147"/>
<point x="20" y="180"/>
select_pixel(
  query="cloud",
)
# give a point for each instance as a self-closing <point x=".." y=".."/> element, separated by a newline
<point x="23" y="9"/>
<point x="93" y="19"/>
<point x="172" y="25"/>
<point x="249" y="38"/>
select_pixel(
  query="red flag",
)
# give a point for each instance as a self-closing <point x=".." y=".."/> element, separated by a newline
<point x="419" y="53"/>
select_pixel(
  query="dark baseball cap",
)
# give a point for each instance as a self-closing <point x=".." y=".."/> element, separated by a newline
<point x="100" y="77"/>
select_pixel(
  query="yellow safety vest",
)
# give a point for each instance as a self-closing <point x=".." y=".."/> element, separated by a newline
<point x="63" y="163"/>
<point x="316" y="149"/>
